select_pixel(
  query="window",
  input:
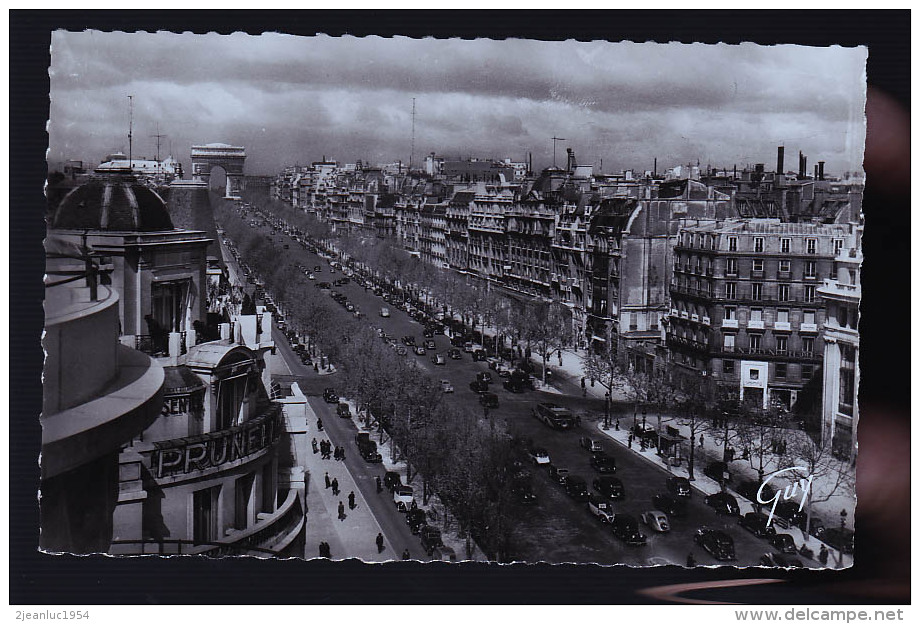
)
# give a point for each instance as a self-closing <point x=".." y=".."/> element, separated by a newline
<point x="782" y="292"/>
<point x="728" y="341"/>
<point x="808" y="316"/>
<point x="756" y="314"/>
<point x="838" y="245"/>
<point x="243" y="516"/>
<point x="204" y="515"/>
<point x="783" y="266"/>
<point x="811" y="269"/>
<point x="699" y="240"/>
<point x="633" y="321"/>
<point x="809" y="294"/>
<point x="699" y="265"/>
<point x="731" y="313"/>
<point x="731" y="266"/>
<point x="757" y="265"/>
<point x="733" y="243"/>
<point x="757" y="291"/>
<point x="728" y="367"/>
<point x="807" y="371"/>
<point x="782" y="316"/>
<point x="731" y="290"/>
<point x="811" y="245"/>
<point x="784" y="245"/>
<point x="782" y="345"/>
<point x="780" y="370"/>
<point x="754" y="340"/>
<point x="754" y="374"/>
<point x="808" y="345"/>
<point x="758" y="244"/>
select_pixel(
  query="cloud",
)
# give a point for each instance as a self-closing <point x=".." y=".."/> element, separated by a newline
<point x="294" y="99"/>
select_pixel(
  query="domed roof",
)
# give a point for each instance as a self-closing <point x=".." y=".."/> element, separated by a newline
<point x="116" y="202"/>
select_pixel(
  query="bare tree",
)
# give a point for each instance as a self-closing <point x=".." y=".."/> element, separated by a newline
<point x="815" y="463"/>
<point x="546" y="326"/>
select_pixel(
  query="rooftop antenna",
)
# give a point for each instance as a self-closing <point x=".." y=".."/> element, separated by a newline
<point x="158" y="137"/>
<point x="412" y="147"/>
<point x="131" y="132"/>
<point x="555" y="138"/>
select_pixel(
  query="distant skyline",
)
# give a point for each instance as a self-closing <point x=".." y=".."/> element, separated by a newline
<point x="294" y="100"/>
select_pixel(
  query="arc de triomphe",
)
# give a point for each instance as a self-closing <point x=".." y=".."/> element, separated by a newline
<point x="230" y="158"/>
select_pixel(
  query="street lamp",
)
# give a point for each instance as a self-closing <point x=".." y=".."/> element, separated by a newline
<point x="606" y="410"/>
<point x="642" y="443"/>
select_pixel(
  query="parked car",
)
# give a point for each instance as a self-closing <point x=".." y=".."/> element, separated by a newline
<point x="656" y="520"/>
<point x="717" y="543"/>
<point x="576" y="487"/>
<point x="392" y="480"/>
<point x="523" y="493"/>
<point x="784" y="543"/>
<point x="776" y="560"/>
<point x="420" y="350"/>
<point x="479" y="355"/>
<point x="415" y="519"/>
<point x="601" y="508"/>
<point x="488" y="399"/>
<point x="512" y="386"/>
<point x="724" y="503"/>
<point x="343" y="410"/>
<point x="431" y="539"/>
<point x="749" y="489"/>
<point x="788" y="514"/>
<point x="603" y="463"/>
<point x="756" y="523"/>
<point x="369" y="453"/>
<point x="679" y="486"/>
<point x="454" y="354"/>
<point x="609" y="487"/>
<point x="438" y="359"/>
<point x="559" y="475"/>
<point x="409" y="341"/>
<point x="330" y="396"/>
<point x="539" y="455"/>
<point x="402" y="496"/>
<point x="671" y="505"/>
<point x="590" y="444"/>
<point x="430" y="344"/>
<point x="446" y="386"/>
<point x="718" y="471"/>
<point x="626" y="528"/>
<point x="479" y="386"/>
<point x="485" y="376"/>
<point x="385" y="312"/>
<point x="839" y="539"/>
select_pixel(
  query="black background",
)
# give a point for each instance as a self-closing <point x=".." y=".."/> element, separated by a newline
<point x="44" y="579"/>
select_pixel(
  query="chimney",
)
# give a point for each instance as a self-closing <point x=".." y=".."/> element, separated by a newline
<point x="570" y="160"/>
<point x="655" y="167"/>
<point x="780" y="159"/>
<point x="816" y="172"/>
<point x="820" y="169"/>
<point x="803" y="165"/>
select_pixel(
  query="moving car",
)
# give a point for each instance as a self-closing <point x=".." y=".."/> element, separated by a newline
<point x="756" y="523"/>
<point x="609" y="487"/>
<point x="392" y="480"/>
<point x="438" y="359"/>
<point x="330" y="396"/>
<point x="590" y="444"/>
<point x="554" y="416"/>
<point x="626" y="528"/>
<point x="409" y="341"/>
<point x="523" y="493"/>
<point x="401" y="350"/>
<point x="454" y="354"/>
<point x="679" y="486"/>
<point x="402" y="496"/>
<point x="603" y="463"/>
<point x="576" y="487"/>
<point x="488" y="399"/>
<point x="484" y="376"/>
<point x="479" y="386"/>
<point x="539" y="455"/>
<point x="671" y="505"/>
<point x="723" y="503"/>
<point x="559" y="475"/>
<point x="717" y="543"/>
<point x="430" y="344"/>
<point x="420" y="350"/>
<point x="343" y="410"/>
<point x="385" y="312"/>
<point x="601" y="508"/>
<point x="446" y="386"/>
<point x="657" y="520"/>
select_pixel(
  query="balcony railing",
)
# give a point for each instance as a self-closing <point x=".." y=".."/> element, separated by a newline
<point x="730" y="323"/>
<point x="755" y="325"/>
<point x="782" y="326"/>
<point x="808" y="327"/>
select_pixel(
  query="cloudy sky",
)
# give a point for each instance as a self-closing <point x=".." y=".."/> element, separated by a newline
<point x="294" y="99"/>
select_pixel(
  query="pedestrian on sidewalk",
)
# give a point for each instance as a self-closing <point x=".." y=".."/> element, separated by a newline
<point x="379" y="484"/>
<point x="315" y="367"/>
<point x="629" y="440"/>
<point x="822" y="555"/>
<point x="559" y="353"/>
<point x="584" y="390"/>
<point x="380" y="542"/>
<point x="342" y="453"/>
<point x="319" y="424"/>
<point x="701" y="440"/>
<point x="335" y="487"/>
<point x="328" y="481"/>
<point x="342" y="515"/>
<point x="315" y="449"/>
<point x="351" y="500"/>
<point x="406" y="555"/>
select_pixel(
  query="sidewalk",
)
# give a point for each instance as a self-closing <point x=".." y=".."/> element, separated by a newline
<point x="705" y="486"/>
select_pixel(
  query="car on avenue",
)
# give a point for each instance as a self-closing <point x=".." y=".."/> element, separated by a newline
<point x="330" y="396"/>
<point x="446" y="386"/>
<point x="403" y="496"/>
<point x="430" y="344"/>
<point x="385" y="312"/>
<point x="415" y="519"/>
<point x="523" y="492"/>
<point x="656" y="520"/>
<point x="679" y="486"/>
<point x="454" y="354"/>
<point x="431" y="539"/>
<point x="479" y="386"/>
<point x="609" y="487"/>
<point x="717" y="543"/>
<point x="484" y="376"/>
<point x="784" y="543"/>
<point x="392" y="480"/>
<point x="343" y="410"/>
<point x="626" y="528"/>
<point x="489" y="400"/>
<point x="671" y="505"/>
<point x="438" y="359"/>
<point x="420" y="350"/>
<point x="758" y="524"/>
<point x="557" y="474"/>
<point x="576" y="487"/>
<point x="600" y="508"/>
<point x="539" y="455"/>
<point x="603" y="463"/>
<point x="723" y="503"/>
<point x="590" y="444"/>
